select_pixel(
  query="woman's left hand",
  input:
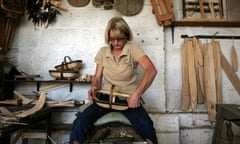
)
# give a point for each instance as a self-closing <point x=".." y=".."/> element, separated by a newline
<point x="133" y="101"/>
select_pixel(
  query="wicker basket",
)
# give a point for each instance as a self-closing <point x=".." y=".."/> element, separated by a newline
<point x="78" y="3"/>
<point x="63" y="75"/>
<point x="68" y="64"/>
<point x="114" y="100"/>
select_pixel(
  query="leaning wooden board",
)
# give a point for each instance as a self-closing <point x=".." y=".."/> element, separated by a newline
<point x="230" y="73"/>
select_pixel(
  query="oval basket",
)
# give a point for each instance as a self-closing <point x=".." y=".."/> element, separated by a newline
<point x="103" y="99"/>
<point x="63" y="75"/>
<point x="68" y="64"/>
<point x="78" y="3"/>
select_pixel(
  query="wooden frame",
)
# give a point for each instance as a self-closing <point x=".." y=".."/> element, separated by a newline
<point x="207" y="10"/>
<point x="206" y="22"/>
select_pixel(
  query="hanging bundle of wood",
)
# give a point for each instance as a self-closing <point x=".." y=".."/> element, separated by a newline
<point x="201" y="75"/>
<point x="190" y="75"/>
<point x="44" y="12"/>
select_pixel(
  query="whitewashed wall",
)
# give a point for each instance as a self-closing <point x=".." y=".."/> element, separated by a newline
<point x="79" y="33"/>
<point x="195" y="127"/>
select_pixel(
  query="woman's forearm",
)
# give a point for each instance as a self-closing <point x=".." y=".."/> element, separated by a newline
<point x="96" y="83"/>
<point x="146" y="81"/>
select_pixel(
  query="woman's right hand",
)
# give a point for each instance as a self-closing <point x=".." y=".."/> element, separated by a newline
<point x="96" y="82"/>
<point x="91" y="92"/>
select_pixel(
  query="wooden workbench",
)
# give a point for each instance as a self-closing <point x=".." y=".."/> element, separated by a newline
<point x="229" y="112"/>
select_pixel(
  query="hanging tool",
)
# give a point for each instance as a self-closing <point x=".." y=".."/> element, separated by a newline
<point x="230" y="135"/>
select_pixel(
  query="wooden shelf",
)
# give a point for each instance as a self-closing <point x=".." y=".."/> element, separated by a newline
<point x="47" y="81"/>
<point x="207" y="23"/>
<point x="39" y="82"/>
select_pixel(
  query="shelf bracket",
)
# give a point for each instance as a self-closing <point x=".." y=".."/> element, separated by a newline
<point x="38" y="86"/>
<point x="70" y="86"/>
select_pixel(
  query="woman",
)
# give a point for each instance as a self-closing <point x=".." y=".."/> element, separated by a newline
<point x="117" y="70"/>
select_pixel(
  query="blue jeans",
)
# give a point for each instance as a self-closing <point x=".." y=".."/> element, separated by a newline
<point x="138" y="117"/>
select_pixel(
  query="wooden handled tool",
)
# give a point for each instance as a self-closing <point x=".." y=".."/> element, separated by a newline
<point x="230" y="135"/>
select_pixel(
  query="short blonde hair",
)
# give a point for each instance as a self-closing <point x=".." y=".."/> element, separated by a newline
<point x="120" y="25"/>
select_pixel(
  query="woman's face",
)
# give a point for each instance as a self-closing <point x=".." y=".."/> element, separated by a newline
<point x="116" y="39"/>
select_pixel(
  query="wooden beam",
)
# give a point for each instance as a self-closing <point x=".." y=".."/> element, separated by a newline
<point x="206" y="23"/>
<point x="230" y="73"/>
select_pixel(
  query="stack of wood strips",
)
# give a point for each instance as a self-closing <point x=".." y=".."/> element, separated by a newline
<point x="203" y="10"/>
<point x="163" y="11"/>
<point x="192" y="74"/>
<point x="201" y="74"/>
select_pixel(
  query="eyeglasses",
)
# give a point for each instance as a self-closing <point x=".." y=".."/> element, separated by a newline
<point x="117" y="39"/>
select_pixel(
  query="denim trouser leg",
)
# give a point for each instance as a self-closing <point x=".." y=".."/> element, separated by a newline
<point x="138" y="117"/>
<point x="142" y="123"/>
<point x="84" y="122"/>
